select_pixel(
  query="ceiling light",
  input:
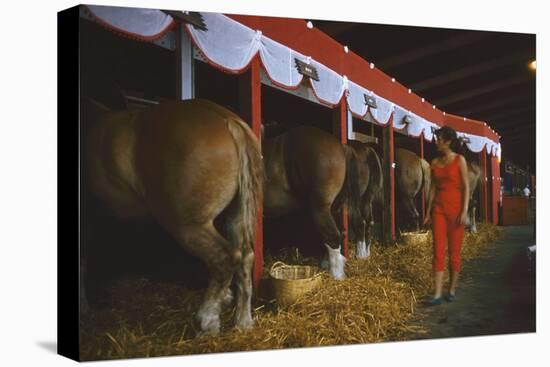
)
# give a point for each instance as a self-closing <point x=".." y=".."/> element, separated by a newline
<point x="533" y="65"/>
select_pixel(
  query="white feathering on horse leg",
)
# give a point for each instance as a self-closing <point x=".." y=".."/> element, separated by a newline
<point x="362" y="250"/>
<point x="337" y="262"/>
<point x="368" y="248"/>
<point x="209" y="317"/>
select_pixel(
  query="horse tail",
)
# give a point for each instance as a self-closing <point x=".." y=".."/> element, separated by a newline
<point x="426" y="180"/>
<point x="241" y="225"/>
<point x="375" y="189"/>
<point x="352" y="191"/>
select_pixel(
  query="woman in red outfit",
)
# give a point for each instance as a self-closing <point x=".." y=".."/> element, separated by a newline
<point x="447" y="210"/>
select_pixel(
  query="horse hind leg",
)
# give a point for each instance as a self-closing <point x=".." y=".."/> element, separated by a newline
<point x="473" y="226"/>
<point x="332" y="238"/>
<point x="414" y="216"/>
<point x="363" y="248"/>
<point x="237" y="234"/>
<point x="222" y="260"/>
<point x="243" y="316"/>
<point x="362" y="252"/>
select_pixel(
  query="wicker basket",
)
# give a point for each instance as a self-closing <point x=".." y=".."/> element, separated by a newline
<point x="413" y="238"/>
<point x="290" y="282"/>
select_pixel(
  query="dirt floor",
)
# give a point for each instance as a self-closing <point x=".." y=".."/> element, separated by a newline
<point x="496" y="293"/>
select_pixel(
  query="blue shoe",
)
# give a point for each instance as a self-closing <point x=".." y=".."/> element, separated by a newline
<point x="433" y="301"/>
<point x="450" y="297"/>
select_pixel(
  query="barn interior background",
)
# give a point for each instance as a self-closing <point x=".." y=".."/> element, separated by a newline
<point x="479" y="83"/>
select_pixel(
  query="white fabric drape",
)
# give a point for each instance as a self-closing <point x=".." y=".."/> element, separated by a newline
<point x="417" y="126"/>
<point x="226" y="43"/>
<point x="141" y="22"/>
<point x="383" y="110"/>
<point x="231" y="46"/>
<point x="278" y="61"/>
<point x="476" y="144"/>
<point x="330" y="87"/>
<point x="356" y="100"/>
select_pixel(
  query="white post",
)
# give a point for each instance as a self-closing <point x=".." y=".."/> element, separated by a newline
<point x="186" y="69"/>
<point x="350" y="124"/>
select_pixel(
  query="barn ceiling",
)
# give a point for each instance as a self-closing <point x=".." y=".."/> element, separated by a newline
<point x="477" y="74"/>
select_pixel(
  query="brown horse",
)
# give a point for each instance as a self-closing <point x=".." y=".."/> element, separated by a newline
<point x="474" y="174"/>
<point x="185" y="163"/>
<point x="307" y="168"/>
<point x="412" y="174"/>
<point x="370" y="190"/>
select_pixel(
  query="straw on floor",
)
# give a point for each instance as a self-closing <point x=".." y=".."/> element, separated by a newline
<point x="374" y="304"/>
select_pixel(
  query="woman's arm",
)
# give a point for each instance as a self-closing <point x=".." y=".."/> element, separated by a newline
<point x="465" y="189"/>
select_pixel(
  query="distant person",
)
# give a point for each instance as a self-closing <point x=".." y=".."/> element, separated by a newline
<point x="526" y="191"/>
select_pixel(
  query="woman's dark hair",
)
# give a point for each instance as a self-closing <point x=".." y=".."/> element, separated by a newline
<point x="449" y="134"/>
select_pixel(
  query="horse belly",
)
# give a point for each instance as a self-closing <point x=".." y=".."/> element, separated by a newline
<point x="278" y="201"/>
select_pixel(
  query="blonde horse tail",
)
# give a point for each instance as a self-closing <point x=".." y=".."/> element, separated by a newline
<point x="241" y="227"/>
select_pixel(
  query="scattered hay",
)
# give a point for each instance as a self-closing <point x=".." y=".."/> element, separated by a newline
<point x="376" y="303"/>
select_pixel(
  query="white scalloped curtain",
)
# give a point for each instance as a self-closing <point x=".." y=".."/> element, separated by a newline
<point x="231" y="46"/>
<point x="141" y="22"/>
<point x="417" y="126"/>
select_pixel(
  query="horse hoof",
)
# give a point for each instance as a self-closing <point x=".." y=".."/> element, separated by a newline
<point x="212" y="328"/>
<point x="339" y="276"/>
<point x="210" y="323"/>
<point x="204" y="333"/>
<point x="245" y="324"/>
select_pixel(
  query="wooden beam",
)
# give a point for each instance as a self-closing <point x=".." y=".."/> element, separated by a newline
<point x="471" y="93"/>
<point x="340" y="129"/>
<point x="482" y="107"/>
<point x="461" y="40"/>
<point x="512" y="122"/>
<point x="523" y="128"/>
<point x="505" y="114"/>
<point x="388" y="216"/>
<point x="466" y="72"/>
<point x="250" y="105"/>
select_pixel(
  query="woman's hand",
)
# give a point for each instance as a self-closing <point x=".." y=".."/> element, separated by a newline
<point x="463" y="218"/>
<point x="427" y="218"/>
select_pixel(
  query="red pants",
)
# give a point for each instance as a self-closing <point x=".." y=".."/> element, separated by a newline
<point x="446" y="230"/>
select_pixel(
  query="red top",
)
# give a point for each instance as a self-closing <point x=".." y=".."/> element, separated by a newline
<point x="448" y="183"/>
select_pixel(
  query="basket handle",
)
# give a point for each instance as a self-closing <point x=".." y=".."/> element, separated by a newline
<point x="276" y="264"/>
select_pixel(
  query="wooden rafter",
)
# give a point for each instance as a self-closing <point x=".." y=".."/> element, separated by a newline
<point x="471" y="93"/>
<point x="416" y="54"/>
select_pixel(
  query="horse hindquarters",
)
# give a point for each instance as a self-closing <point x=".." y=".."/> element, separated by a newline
<point x="199" y="162"/>
<point x="236" y="253"/>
